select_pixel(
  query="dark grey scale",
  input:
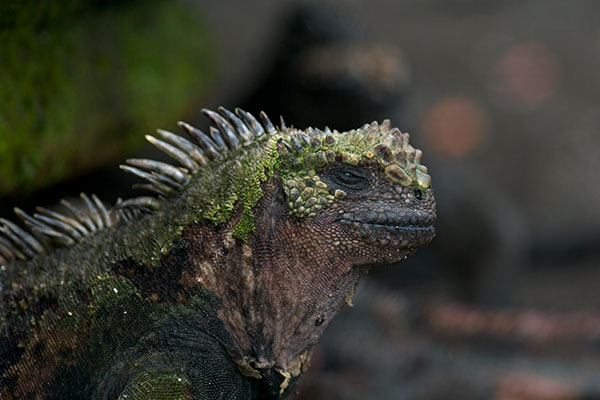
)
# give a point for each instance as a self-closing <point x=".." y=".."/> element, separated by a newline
<point x="304" y="139"/>
<point x="267" y="123"/>
<point x="384" y="153"/>
<point x="207" y="145"/>
<point x="179" y="175"/>
<point x="381" y="218"/>
<point x="160" y="187"/>
<point x="151" y="188"/>
<point x="380" y="231"/>
<point x="8" y="248"/>
<point x="217" y="137"/>
<point x="173" y="152"/>
<point x="29" y="240"/>
<point x="168" y="181"/>
<point x="93" y="212"/>
<point x="298" y="145"/>
<point x="329" y="141"/>
<point x="77" y="229"/>
<point x="282" y="123"/>
<point x="391" y="215"/>
<point x="284" y="146"/>
<point x="55" y="237"/>
<point x="392" y="229"/>
<point x="371" y="216"/>
<point x="124" y="215"/>
<point x="189" y="148"/>
<point x="56" y="231"/>
<point x="20" y="239"/>
<point x="388" y="196"/>
<point x="133" y="208"/>
<point x="159" y="176"/>
<point x="367" y="228"/>
<point x="79" y="216"/>
<point x="251" y="122"/>
<point x="60" y="225"/>
<point x="141" y="202"/>
<point x="315" y="143"/>
<point x="321" y="159"/>
<point x="7" y="251"/>
<point x="231" y="139"/>
<point x="243" y="133"/>
<point x="101" y="210"/>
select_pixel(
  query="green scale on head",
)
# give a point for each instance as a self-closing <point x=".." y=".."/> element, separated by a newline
<point x="303" y="153"/>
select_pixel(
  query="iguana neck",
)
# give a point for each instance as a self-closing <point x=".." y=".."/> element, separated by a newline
<point x="277" y="292"/>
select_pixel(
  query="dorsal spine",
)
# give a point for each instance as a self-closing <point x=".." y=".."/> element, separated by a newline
<point x="48" y="229"/>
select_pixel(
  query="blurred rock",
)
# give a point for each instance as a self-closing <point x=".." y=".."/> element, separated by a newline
<point x="370" y="352"/>
<point x="81" y="81"/>
<point x="323" y="73"/>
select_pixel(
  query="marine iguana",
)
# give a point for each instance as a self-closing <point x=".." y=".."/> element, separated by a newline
<point x="219" y="285"/>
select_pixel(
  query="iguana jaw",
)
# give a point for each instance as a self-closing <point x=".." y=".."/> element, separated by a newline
<point x="378" y="224"/>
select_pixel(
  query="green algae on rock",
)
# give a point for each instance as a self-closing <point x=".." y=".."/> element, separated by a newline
<point x="79" y="81"/>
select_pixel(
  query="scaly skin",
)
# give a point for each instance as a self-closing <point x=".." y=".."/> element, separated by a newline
<point x="225" y="288"/>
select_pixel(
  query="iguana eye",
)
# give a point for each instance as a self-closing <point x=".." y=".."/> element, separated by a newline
<point x="347" y="177"/>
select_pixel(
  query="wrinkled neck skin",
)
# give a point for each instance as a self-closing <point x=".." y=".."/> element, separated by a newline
<point x="279" y="290"/>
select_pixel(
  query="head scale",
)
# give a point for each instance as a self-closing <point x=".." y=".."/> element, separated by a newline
<point x="305" y="152"/>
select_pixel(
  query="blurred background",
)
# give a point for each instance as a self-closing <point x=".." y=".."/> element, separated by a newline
<point x="503" y="98"/>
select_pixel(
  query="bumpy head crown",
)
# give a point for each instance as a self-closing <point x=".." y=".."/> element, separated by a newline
<point x="390" y="147"/>
<point x="305" y="151"/>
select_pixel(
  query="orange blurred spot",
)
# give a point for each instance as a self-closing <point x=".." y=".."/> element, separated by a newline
<point x="529" y="387"/>
<point x="527" y="74"/>
<point x="455" y="126"/>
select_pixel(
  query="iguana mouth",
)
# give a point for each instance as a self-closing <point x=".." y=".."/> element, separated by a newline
<point x="391" y="228"/>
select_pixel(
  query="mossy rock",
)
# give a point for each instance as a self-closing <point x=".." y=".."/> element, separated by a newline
<point x="81" y="82"/>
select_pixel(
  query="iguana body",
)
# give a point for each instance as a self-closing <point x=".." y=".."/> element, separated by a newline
<point x="218" y="288"/>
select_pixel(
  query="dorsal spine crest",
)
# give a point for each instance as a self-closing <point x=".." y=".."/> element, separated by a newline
<point x="251" y="151"/>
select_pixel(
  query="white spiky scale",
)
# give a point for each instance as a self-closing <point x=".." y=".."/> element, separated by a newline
<point x="189" y="148"/>
<point x="207" y="145"/>
<point x="78" y="227"/>
<point x="174" y="152"/>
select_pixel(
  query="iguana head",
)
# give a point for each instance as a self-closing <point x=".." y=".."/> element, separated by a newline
<point x="333" y="204"/>
<point x="365" y="190"/>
